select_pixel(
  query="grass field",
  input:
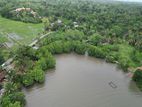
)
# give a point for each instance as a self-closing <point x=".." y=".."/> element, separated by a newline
<point x="25" y="31"/>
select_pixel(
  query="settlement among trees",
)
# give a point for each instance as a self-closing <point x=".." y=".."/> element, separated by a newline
<point x="111" y="31"/>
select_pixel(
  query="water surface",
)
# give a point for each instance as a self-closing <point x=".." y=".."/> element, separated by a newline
<point x="81" y="81"/>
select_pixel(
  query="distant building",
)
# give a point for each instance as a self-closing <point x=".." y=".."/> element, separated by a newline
<point x="59" y="21"/>
<point x="23" y="9"/>
<point x="75" y="24"/>
<point x="27" y="10"/>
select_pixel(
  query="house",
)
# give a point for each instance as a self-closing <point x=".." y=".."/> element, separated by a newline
<point x="59" y="21"/>
<point x="23" y="9"/>
<point x="75" y="24"/>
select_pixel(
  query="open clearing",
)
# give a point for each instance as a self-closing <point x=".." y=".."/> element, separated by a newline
<point x="26" y="31"/>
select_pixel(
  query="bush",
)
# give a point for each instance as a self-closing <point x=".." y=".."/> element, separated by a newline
<point x="112" y="57"/>
<point x="58" y="47"/>
<point x="50" y="61"/>
<point x="16" y="104"/>
<point x="55" y="47"/>
<point x="38" y="75"/>
<point x="42" y="63"/>
<point x="18" y="96"/>
<point x="96" y="39"/>
<point x="27" y="79"/>
<point x="137" y="77"/>
<point x="46" y="60"/>
<point x="16" y="99"/>
<point x="68" y="47"/>
<point x="96" y="52"/>
<point x="52" y="38"/>
<point x="73" y="35"/>
<point x="79" y="47"/>
<point x="125" y="62"/>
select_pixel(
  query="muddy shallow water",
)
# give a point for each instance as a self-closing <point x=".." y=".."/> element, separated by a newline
<point x="81" y="81"/>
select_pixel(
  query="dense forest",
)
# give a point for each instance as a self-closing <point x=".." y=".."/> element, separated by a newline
<point x="111" y="31"/>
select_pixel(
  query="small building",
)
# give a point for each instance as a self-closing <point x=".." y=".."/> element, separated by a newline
<point x="75" y="24"/>
<point x="59" y="21"/>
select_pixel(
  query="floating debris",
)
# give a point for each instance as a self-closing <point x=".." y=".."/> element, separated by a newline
<point x="112" y="84"/>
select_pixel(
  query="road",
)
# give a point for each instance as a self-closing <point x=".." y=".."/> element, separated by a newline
<point x="37" y="40"/>
<point x="7" y="64"/>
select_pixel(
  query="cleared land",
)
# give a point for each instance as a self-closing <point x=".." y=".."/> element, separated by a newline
<point x="22" y="32"/>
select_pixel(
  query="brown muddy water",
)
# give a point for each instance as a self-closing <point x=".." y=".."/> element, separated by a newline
<point x="81" y="81"/>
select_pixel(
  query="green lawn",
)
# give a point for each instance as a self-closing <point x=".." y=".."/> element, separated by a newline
<point x="26" y="31"/>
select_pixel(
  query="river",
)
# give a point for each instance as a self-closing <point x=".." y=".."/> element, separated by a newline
<point x="82" y="81"/>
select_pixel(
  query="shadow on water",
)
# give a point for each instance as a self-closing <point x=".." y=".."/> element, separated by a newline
<point x="134" y="89"/>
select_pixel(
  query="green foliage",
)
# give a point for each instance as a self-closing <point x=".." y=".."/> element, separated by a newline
<point x="56" y="36"/>
<point x="16" y="104"/>
<point x="17" y="96"/>
<point x="116" y="31"/>
<point x="55" y="47"/>
<point x="67" y="47"/>
<point x="10" y="87"/>
<point x="79" y="47"/>
<point x="96" y="39"/>
<point x="15" y="78"/>
<point x="42" y="62"/>
<point x="50" y="61"/>
<point x="12" y="96"/>
<point x="73" y="35"/>
<point x="24" y="58"/>
<point x="26" y="51"/>
<point x="38" y="74"/>
<point x="112" y="57"/>
<point x="96" y="52"/>
<point x="46" y="23"/>
<point x="136" y="57"/>
<point x="137" y="77"/>
<point x="46" y="60"/>
<point x="124" y="56"/>
<point x="27" y="79"/>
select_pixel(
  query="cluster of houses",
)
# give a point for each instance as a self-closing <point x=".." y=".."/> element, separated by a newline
<point x="26" y="10"/>
<point x="60" y="23"/>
